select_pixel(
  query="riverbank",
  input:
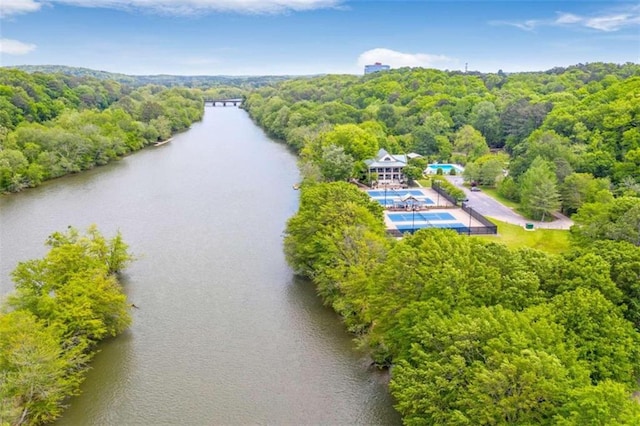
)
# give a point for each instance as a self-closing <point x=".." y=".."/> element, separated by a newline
<point x="225" y="333"/>
<point x="79" y="137"/>
<point x="48" y="341"/>
<point x="163" y="142"/>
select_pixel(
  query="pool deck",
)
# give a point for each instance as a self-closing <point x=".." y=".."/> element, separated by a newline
<point x="432" y="169"/>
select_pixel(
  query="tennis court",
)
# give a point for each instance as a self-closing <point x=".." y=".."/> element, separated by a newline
<point x="401" y="197"/>
<point x="417" y="217"/>
<point x="457" y="226"/>
<point x="409" y="210"/>
<point x="376" y="193"/>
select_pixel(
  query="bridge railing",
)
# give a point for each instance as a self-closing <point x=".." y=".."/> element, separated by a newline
<point x="224" y="102"/>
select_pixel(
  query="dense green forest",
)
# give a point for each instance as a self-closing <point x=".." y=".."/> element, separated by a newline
<point x="55" y="124"/>
<point x="566" y="137"/>
<point x="199" y="81"/>
<point x="63" y="305"/>
<point x="474" y="332"/>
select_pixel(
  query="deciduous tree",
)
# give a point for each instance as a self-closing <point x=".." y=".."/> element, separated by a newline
<point x="470" y="143"/>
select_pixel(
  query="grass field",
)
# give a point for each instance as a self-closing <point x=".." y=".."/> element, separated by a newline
<point x="493" y="193"/>
<point x="514" y="236"/>
<point x="425" y="182"/>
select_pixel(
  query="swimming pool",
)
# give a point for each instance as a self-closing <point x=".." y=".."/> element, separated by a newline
<point x="432" y="169"/>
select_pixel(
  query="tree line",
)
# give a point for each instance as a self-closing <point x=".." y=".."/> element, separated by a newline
<point x="199" y="81"/>
<point x="473" y="332"/>
<point x="540" y="137"/>
<point x="62" y="306"/>
<point x="476" y="333"/>
<point x="55" y="124"/>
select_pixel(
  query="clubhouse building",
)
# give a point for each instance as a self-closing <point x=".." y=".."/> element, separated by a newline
<point x="388" y="168"/>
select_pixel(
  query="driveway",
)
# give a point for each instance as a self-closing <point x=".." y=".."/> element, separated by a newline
<point x="487" y="206"/>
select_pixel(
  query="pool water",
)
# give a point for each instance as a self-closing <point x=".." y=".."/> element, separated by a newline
<point x="446" y="168"/>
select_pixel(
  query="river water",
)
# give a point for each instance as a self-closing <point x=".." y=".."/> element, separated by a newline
<point x="224" y="333"/>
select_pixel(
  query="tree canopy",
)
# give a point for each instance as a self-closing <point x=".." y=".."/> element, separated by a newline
<point x="63" y="305"/>
<point x="581" y="120"/>
<point x="52" y="125"/>
<point x="474" y="332"/>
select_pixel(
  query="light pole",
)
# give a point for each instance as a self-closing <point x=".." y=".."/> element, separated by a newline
<point x="385" y="195"/>
<point x="413" y="219"/>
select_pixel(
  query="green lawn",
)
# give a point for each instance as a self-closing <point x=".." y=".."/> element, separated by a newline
<point x="425" y="182"/>
<point x="514" y="236"/>
<point x="493" y="193"/>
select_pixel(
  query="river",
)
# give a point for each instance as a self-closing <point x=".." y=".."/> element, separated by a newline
<point x="224" y="333"/>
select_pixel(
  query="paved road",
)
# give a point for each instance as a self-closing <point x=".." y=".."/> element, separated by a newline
<point x="487" y="206"/>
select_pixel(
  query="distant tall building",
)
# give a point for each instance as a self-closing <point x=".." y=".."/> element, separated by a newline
<point x="368" y="69"/>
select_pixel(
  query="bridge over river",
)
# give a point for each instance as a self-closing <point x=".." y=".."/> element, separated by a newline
<point x="223" y="102"/>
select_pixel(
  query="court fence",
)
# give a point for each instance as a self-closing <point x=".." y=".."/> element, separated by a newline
<point x="464" y="230"/>
<point x="487" y="228"/>
<point x="435" y="185"/>
<point x="491" y="228"/>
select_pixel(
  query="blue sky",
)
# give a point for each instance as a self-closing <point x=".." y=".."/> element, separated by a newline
<point x="294" y="37"/>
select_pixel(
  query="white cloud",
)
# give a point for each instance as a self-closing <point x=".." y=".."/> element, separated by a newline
<point x="191" y="7"/>
<point x="399" y="59"/>
<point x="15" y="7"/>
<point x="15" y="47"/>
<point x="528" y="25"/>
<point x="611" y="20"/>
<point x="568" y="18"/>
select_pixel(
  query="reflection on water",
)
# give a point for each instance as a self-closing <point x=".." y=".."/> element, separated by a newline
<point x="224" y="333"/>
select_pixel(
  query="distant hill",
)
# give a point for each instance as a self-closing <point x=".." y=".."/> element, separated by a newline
<point x="201" y="81"/>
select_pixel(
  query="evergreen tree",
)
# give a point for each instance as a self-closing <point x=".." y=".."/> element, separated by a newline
<point x="538" y="190"/>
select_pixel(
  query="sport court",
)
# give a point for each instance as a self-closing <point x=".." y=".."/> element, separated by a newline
<point x="407" y="210"/>
<point x="419" y="216"/>
<point x="399" y="197"/>
<point x="414" y="220"/>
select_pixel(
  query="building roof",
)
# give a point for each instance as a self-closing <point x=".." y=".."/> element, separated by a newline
<point x="384" y="159"/>
<point x="408" y="197"/>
